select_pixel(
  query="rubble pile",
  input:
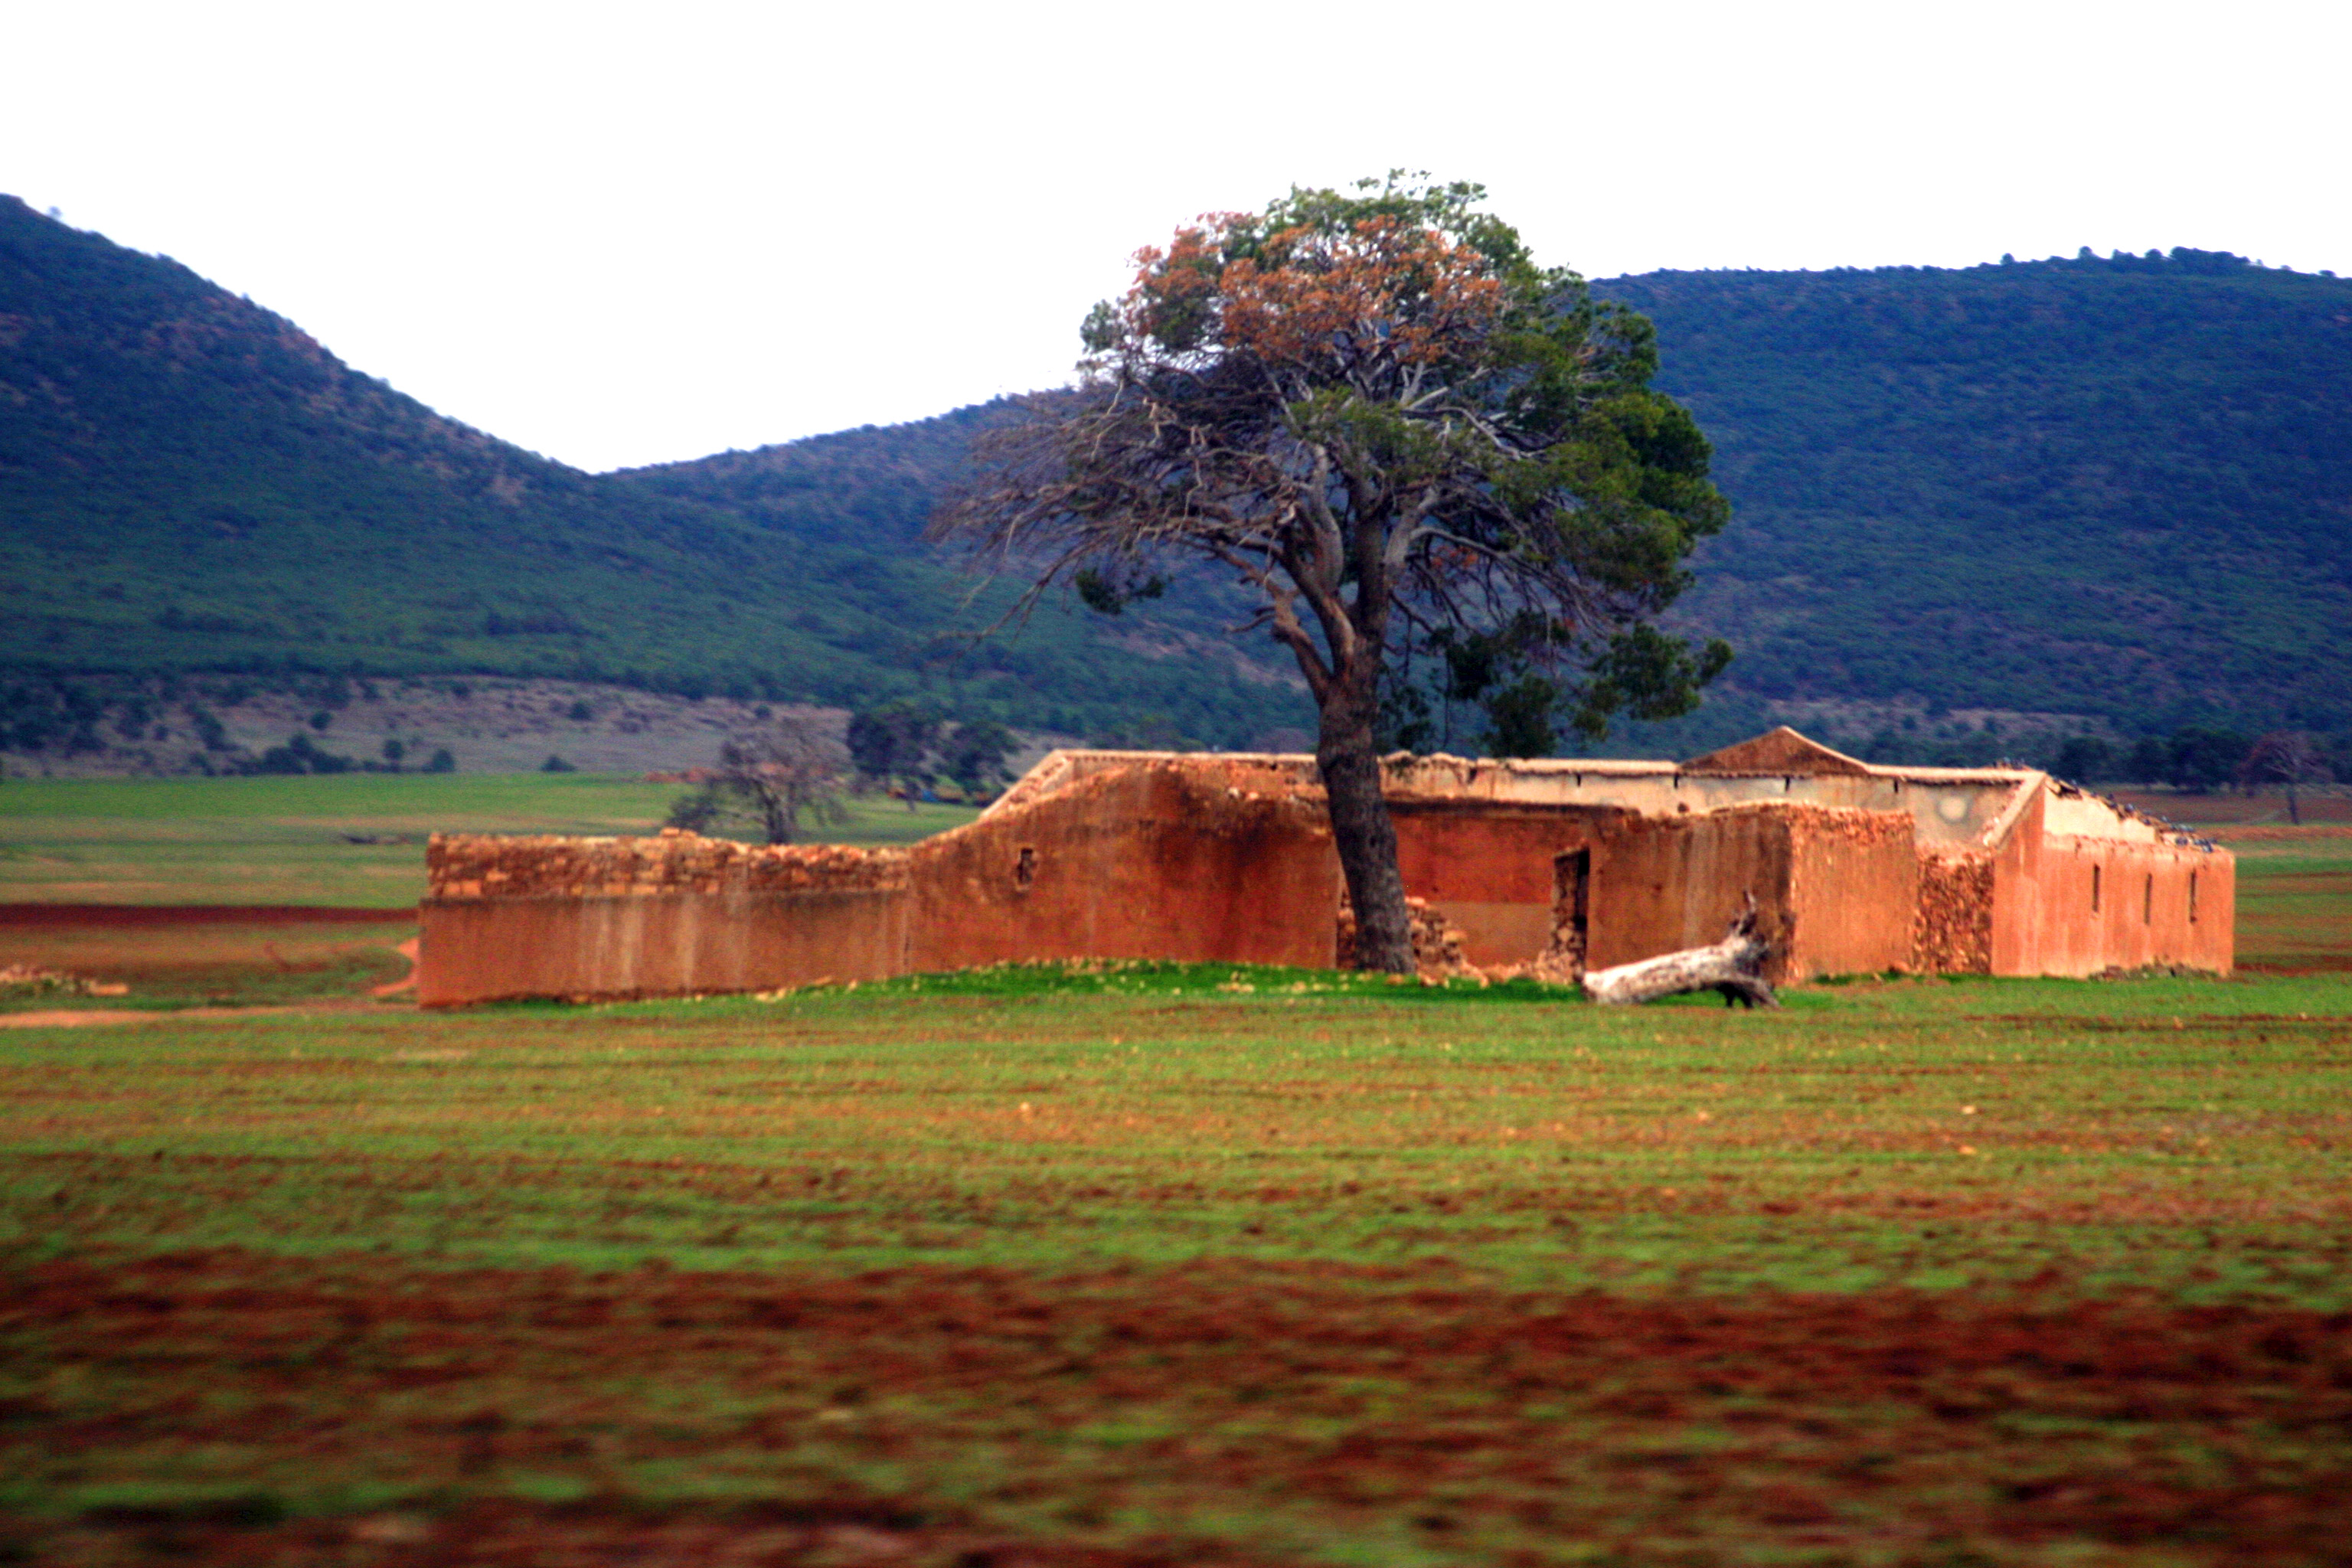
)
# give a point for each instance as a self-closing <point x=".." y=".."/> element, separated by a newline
<point x="1951" y="930"/>
<point x="23" y="980"/>
<point x="1436" y="941"/>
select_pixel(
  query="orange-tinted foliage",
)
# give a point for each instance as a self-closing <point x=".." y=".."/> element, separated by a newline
<point x="1383" y="287"/>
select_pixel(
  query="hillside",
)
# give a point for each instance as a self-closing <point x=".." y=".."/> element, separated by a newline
<point x="2112" y="493"/>
<point x="2116" y="488"/>
<point x="189" y="483"/>
<point x="2105" y="493"/>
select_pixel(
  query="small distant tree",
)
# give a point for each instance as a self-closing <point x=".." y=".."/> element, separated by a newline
<point x="2150" y="760"/>
<point x="2204" y="760"/>
<point x="895" y="742"/>
<point x="1378" y="413"/>
<point x="2085" y="759"/>
<point x="770" y="779"/>
<point x="2288" y="758"/>
<point x="443" y="761"/>
<point x="975" y="755"/>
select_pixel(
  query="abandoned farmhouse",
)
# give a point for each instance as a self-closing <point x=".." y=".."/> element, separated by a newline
<point x="1552" y="866"/>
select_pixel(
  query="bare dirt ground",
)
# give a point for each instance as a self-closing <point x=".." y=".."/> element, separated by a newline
<point x="203" y="961"/>
<point x="2268" y="807"/>
<point x="1421" y="1412"/>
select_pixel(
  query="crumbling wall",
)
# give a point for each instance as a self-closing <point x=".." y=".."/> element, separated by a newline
<point x="1438" y="950"/>
<point x="1952" y="932"/>
<point x="493" y="865"/>
<point x="1853" y="882"/>
<point x="676" y="915"/>
<point x="1834" y="888"/>
<point x="1486" y="867"/>
<point x="1190" y="863"/>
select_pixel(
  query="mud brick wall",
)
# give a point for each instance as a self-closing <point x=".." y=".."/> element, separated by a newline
<point x="2070" y="904"/>
<point x="1488" y="868"/>
<point x="1952" y="932"/>
<point x="1834" y="888"/>
<point x="488" y="865"/>
<point x="1156" y="861"/>
<point x="1853" y="883"/>
<point x="602" y="919"/>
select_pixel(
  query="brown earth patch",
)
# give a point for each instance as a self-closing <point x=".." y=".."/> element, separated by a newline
<point x="2232" y="808"/>
<point x="1220" y="1412"/>
<point x="2268" y="833"/>
<point x="112" y="916"/>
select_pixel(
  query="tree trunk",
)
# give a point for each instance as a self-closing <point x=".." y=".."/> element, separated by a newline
<point x="1362" y="833"/>
<point x="1729" y="966"/>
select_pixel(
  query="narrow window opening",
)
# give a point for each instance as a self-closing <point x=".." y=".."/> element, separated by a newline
<point x="2192" y="897"/>
<point x="2148" y="901"/>
<point x="1024" y="868"/>
<point x="2094" y="890"/>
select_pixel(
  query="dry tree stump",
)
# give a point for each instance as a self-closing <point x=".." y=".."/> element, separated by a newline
<point x="1729" y="966"/>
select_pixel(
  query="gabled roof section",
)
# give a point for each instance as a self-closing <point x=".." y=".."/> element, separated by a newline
<point x="1778" y="751"/>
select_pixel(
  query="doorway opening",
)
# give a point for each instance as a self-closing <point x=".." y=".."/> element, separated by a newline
<point x="1571" y="912"/>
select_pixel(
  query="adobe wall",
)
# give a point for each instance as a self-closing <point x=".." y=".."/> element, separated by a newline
<point x="1947" y="805"/>
<point x="1488" y="868"/>
<point x="2075" y="906"/>
<point x="665" y="944"/>
<point x="1853" y="882"/>
<point x="678" y="915"/>
<point x="1834" y="889"/>
<point x="1196" y="864"/>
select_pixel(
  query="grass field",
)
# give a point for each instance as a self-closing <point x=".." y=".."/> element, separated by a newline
<point x="1159" y="1266"/>
<point x="1186" y="1266"/>
<point x="290" y="840"/>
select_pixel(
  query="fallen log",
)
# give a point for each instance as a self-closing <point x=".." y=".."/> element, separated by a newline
<point x="1729" y="966"/>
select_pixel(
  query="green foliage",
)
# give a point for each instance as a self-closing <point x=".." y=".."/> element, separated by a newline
<point x="974" y="756"/>
<point x="894" y="741"/>
<point x="2112" y="487"/>
<point x="2109" y="486"/>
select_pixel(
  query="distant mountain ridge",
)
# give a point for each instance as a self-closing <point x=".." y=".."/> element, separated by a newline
<point x="189" y="482"/>
<point x="2119" y="488"/>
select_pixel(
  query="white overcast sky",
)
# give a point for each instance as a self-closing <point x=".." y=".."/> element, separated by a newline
<point x="626" y="234"/>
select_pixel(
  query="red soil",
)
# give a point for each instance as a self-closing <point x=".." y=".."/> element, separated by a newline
<point x="113" y="915"/>
<point x="1904" y="1426"/>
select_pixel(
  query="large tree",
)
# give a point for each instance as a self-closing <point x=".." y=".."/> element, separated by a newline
<point x="1394" y="426"/>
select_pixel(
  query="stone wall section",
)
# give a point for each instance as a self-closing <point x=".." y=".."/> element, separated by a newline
<point x="1951" y="931"/>
<point x="1437" y="943"/>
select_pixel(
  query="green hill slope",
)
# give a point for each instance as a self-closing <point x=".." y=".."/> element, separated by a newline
<point x="2120" y="488"/>
<point x="188" y="482"/>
